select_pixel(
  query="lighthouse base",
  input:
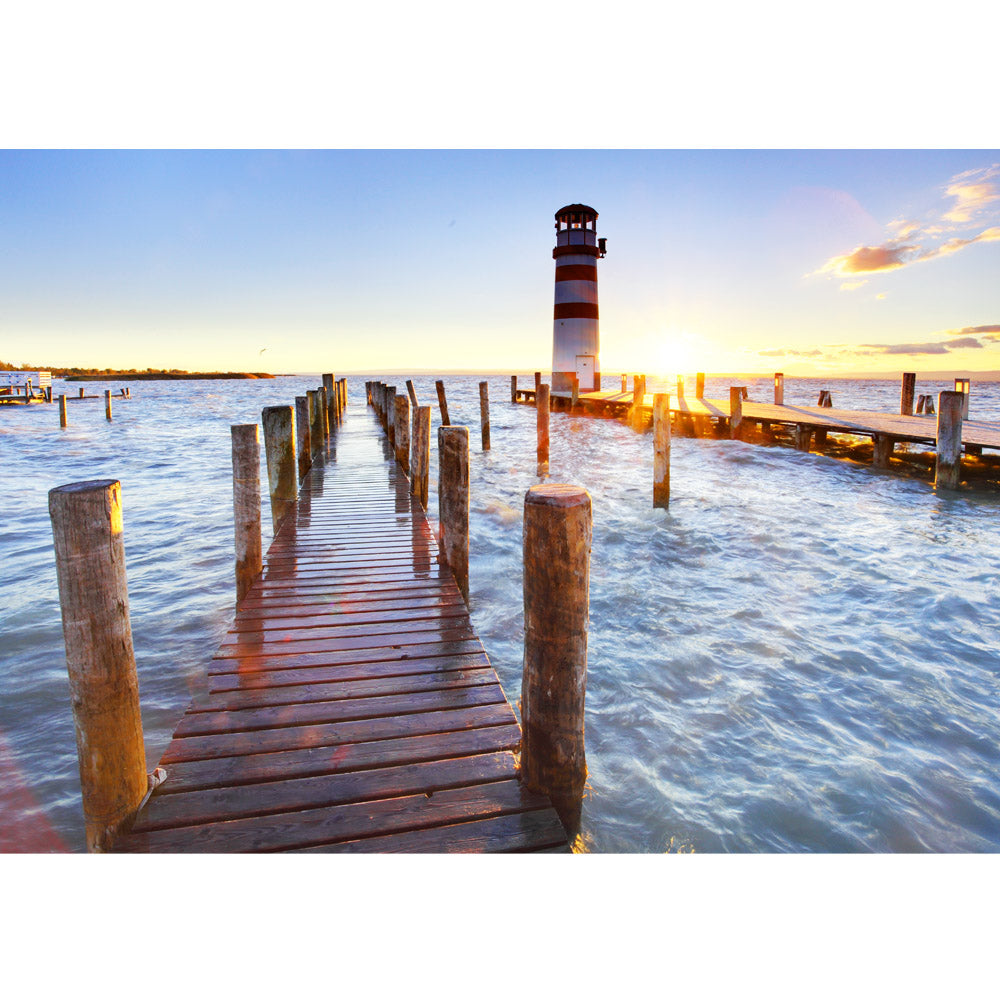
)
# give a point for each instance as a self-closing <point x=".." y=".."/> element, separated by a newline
<point x="563" y="382"/>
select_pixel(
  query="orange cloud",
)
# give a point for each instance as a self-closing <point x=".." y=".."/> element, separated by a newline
<point x="972" y="191"/>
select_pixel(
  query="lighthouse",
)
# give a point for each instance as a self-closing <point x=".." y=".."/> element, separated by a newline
<point x="575" y="339"/>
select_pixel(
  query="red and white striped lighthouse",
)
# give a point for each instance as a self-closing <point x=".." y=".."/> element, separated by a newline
<point x="575" y="338"/>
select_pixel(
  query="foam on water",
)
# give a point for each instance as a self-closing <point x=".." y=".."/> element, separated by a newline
<point x="797" y="656"/>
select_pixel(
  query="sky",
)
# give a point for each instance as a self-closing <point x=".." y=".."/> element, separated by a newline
<point x="252" y="197"/>
<point x="718" y="260"/>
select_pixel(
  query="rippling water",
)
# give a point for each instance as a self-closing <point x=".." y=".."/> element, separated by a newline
<point x="799" y="655"/>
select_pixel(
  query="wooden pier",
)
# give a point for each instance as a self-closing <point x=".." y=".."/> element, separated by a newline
<point x="351" y="707"/>
<point x="885" y="429"/>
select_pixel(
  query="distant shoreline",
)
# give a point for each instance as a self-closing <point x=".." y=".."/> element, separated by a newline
<point x="160" y="376"/>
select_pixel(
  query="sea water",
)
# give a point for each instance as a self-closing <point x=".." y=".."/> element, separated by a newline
<point x="799" y="655"/>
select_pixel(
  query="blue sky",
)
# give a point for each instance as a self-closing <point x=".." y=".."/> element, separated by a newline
<point x="718" y="260"/>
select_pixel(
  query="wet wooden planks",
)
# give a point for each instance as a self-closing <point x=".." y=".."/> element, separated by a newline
<point x="351" y="707"/>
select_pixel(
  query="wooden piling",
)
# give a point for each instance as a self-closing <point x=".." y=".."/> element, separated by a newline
<point x="104" y="686"/>
<point x="538" y="382"/>
<point x="453" y="502"/>
<point x="315" y="427"/>
<point x="421" y="452"/>
<point x="63" y="418"/>
<point x="323" y="400"/>
<point x="279" y="448"/>
<point x="558" y="530"/>
<point x="574" y="402"/>
<point x="343" y="394"/>
<point x="390" y="415"/>
<point x="661" y="449"/>
<point x="107" y="403"/>
<point x="401" y="432"/>
<point x="81" y="392"/>
<point x="246" y="506"/>
<point x="332" y="409"/>
<point x="736" y="412"/>
<point x="638" y="393"/>
<point x="948" y="469"/>
<point x="882" y="447"/>
<point x="906" y="389"/>
<point x="442" y="403"/>
<point x="513" y="388"/>
<point x="412" y="393"/>
<point x="779" y="389"/>
<point x="803" y="437"/>
<point x="699" y="386"/>
<point x="303" y="435"/>
<point x="624" y="383"/>
<point x="680" y="388"/>
<point x="484" y="413"/>
<point x="542" y="425"/>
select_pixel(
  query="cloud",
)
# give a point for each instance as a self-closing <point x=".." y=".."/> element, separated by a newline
<point x="976" y="201"/>
<point x="932" y="347"/>
<point x="781" y="353"/>
<point x="989" y="328"/>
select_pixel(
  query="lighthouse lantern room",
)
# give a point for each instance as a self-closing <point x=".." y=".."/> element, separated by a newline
<point x="575" y="339"/>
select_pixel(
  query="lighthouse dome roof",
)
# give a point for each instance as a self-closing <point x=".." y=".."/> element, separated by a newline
<point x="576" y="208"/>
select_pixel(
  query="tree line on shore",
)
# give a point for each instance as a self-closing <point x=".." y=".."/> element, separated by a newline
<point x="135" y="373"/>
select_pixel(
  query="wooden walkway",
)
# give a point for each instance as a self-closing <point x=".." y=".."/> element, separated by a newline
<point x="861" y="423"/>
<point x="352" y="707"/>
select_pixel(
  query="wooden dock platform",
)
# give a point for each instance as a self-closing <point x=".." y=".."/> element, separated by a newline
<point x="976" y="434"/>
<point x="351" y="707"/>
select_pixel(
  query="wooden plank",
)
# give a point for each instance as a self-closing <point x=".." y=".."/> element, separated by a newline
<point x="337" y="758"/>
<point x="331" y="734"/>
<point x="335" y="824"/>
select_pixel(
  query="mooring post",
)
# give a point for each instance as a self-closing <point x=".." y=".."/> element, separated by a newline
<point x="246" y="506"/>
<point x="513" y="388"/>
<point x="538" y="383"/>
<point x="81" y="392"/>
<point x="453" y="502"/>
<point x="401" y="432"/>
<point x="303" y="435"/>
<point x="736" y="412"/>
<point x="484" y="413"/>
<point x="63" y="418"/>
<point x="542" y="425"/>
<point x="624" y="382"/>
<point x="412" y="393"/>
<point x="323" y="400"/>
<point x="906" y="390"/>
<point x="948" y="470"/>
<point x="964" y="386"/>
<point x="442" y="403"/>
<point x="661" y="449"/>
<point x="279" y="448"/>
<point x="699" y="385"/>
<point x="779" y="389"/>
<point x="343" y="394"/>
<point x="107" y="403"/>
<point x="419" y="478"/>
<point x="104" y="686"/>
<point x="558" y="530"/>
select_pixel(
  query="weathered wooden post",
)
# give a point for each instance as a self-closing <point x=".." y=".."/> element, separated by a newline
<point x="538" y="382"/>
<point x="412" y="393"/>
<point x="63" y="418"/>
<point x="401" y="432"/>
<point x="343" y="394"/>
<point x="421" y="454"/>
<point x="661" y="449"/>
<point x="624" y="382"/>
<point x="779" y="389"/>
<point x="699" y="385"/>
<point x="315" y="427"/>
<point x="542" y="425"/>
<point x="442" y="403"/>
<point x="303" y="435"/>
<point x="638" y="392"/>
<point x="323" y="401"/>
<point x="453" y="502"/>
<point x="736" y="412"/>
<point x="803" y="437"/>
<point x="390" y="415"/>
<point x="680" y="388"/>
<point x="964" y="386"/>
<point x="484" y="413"/>
<point x="104" y="686"/>
<point x="279" y="449"/>
<point x="332" y="407"/>
<point x="948" y="470"/>
<point x="107" y="403"/>
<point x="882" y="448"/>
<point x="246" y="506"/>
<point x="513" y="388"/>
<point x="575" y="401"/>
<point x="558" y="531"/>
<point x="81" y="392"/>
<point x="906" y="389"/>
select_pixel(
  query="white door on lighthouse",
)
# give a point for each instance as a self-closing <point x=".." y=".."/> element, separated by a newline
<point x="585" y="372"/>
